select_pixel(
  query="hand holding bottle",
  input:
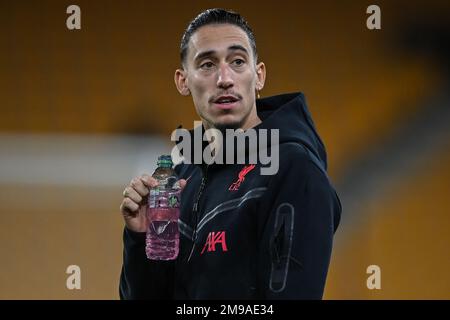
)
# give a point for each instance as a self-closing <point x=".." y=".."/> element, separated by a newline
<point x="135" y="200"/>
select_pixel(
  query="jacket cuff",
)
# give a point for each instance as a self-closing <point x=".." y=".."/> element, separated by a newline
<point x="133" y="238"/>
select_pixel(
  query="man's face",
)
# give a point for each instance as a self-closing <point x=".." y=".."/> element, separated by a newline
<point x="221" y="74"/>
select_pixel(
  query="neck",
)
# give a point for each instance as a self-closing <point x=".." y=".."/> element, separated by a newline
<point x="251" y="121"/>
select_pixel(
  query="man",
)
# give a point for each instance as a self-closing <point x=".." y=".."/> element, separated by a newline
<point x="243" y="235"/>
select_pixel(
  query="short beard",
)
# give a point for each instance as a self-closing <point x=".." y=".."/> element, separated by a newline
<point x="233" y="126"/>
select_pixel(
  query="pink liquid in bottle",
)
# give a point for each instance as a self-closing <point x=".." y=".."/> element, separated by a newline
<point x="163" y="238"/>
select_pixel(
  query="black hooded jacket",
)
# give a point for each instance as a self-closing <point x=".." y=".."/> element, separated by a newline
<point x="244" y="235"/>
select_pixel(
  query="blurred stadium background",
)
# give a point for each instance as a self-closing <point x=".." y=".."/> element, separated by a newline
<point x="82" y="112"/>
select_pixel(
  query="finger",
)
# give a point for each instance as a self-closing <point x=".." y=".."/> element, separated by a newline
<point x="129" y="207"/>
<point x="126" y="213"/>
<point x="149" y="181"/>
<point x="132" y="194"/>
<point x="139" y="187"/>
<point x="182" y="183"/>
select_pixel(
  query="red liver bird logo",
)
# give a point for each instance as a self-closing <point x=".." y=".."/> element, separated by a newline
<point x="241" y="177"/>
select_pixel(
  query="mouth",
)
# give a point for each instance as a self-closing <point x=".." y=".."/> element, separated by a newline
<point x="226" y="102"/>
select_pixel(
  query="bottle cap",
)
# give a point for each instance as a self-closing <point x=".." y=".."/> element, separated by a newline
<point x="165" y="161"/>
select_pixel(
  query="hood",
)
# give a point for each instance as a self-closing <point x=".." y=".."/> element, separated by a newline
<point x="289" y="113"/>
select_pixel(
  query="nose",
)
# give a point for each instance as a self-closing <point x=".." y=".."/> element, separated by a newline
<point x="224" y="80"/>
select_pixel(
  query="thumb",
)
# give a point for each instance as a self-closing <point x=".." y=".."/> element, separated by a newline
<point x="182" y="183"/>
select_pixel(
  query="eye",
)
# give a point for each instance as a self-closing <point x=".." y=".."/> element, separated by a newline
<point x="207" y="65"/>
<point x="238" y="62"/>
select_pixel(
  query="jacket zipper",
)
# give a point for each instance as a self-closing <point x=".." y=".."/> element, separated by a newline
<point x="195" y="210"/>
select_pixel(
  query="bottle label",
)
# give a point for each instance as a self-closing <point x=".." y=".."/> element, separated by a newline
<point x="173" y="201"/>
<point x="159" y="197"/>
<point x="154" y="194"/>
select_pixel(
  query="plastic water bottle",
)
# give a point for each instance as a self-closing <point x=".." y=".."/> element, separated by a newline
<point x="163" y="237"/>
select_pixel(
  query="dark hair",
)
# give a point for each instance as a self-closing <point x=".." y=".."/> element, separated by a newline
<point x="216" y="16"/>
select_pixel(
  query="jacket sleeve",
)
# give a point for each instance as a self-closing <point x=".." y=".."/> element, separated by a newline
<point x="297" y="235"/>
<point x="141" y="278"/>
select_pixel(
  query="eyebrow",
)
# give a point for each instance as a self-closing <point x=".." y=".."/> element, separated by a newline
<point x="204" y="54"/>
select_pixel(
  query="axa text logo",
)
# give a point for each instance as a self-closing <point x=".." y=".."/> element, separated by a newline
<point x="215" y="238"/>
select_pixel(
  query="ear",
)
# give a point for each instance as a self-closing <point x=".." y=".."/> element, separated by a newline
<point x="261" y="75"/>
<point x="181" y="82"/>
